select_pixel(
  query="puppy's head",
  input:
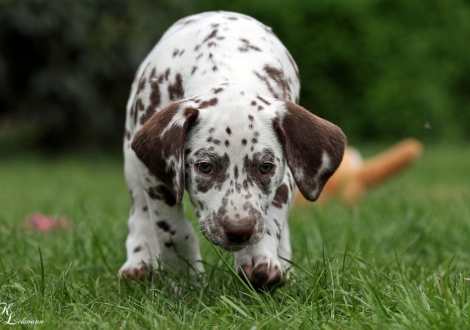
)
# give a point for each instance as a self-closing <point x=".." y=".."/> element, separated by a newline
<point x="230" y="149"/>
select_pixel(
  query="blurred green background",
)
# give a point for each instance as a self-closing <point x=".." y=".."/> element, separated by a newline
<point x="380" y="69"/>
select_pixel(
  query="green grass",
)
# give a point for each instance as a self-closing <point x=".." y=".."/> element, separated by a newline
<point x="399" y="259"/>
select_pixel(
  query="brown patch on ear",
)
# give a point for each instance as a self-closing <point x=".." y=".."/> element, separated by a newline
<point x="161" y="146"/>
<point x="313" y="148"/>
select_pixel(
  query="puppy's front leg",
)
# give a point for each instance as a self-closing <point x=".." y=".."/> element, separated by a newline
<point x="261" y="262"/>
<point x="178" y="243"/>
<point x="261" y="266"/>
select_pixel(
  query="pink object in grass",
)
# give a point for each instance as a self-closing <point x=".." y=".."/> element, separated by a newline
<point x="43" y="223"/>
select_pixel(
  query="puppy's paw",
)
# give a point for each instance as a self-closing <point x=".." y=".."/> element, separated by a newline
<point x="139" y="272"/>
<point x="264" y="273"/>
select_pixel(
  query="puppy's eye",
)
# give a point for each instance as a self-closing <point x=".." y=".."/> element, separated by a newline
<point x="265" y="168"/>
<point x="204" y="167"/>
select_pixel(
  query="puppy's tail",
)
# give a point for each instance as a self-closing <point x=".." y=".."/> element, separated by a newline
<point x="389" y="162"/>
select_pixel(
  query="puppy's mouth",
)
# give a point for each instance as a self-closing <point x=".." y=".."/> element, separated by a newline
<point x="234" y="247"/>
<point x="225" y="244"/>
<point x="221" y="241"/>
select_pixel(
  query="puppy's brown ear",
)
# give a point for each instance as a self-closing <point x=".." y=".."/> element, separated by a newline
<point x="159" y="144"/>
<point x="313" y="147"/>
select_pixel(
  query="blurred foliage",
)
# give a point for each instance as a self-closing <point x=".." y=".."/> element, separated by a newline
<point x="66" y="66"/>
<point x="381" y="69"/>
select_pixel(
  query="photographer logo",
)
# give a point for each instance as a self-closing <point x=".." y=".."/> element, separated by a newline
<point x="8" y="317"/>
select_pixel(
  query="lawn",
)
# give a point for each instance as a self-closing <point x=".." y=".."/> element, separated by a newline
<point x="399" y="259"/>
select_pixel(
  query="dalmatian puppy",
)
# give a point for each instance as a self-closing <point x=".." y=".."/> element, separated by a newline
<point x="213" y="110"/>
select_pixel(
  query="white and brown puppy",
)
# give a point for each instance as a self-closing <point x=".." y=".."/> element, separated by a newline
<point x="213" y="111"/>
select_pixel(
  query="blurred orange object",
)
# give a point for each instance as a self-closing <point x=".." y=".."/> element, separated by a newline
<point x="355" y="175"/>
<point x="43" y="223"/>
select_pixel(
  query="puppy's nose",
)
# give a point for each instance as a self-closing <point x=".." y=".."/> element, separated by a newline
<point x="238" y="233"/>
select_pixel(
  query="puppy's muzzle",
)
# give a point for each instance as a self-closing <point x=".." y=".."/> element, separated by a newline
<point x="239" y="232"/>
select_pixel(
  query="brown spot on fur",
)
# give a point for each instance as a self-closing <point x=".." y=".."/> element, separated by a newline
<point x="189" y="21"/>
<point x="166" y="74"/>
<point x="209" y="103"/>
<point x="228" y="130"/>
<point x="141" y="85"/>
<point x="162" y="193"/>
<point x="263" y="100"/>
<point x="148" y="113"/>
<point x="155" y="99"/>
<point x="277" y="224"/>
<point x="245" y="185"/>
<point x="247" y="46"/>
<point x="278" y="77"/>
<point x="163" y="225"/>
<point x="268" y="85"/>
<point x="175" y="90"/>
<point x="213" y="34"/>
<point x="167" y="196"/>
<point x="281" y="197"/>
